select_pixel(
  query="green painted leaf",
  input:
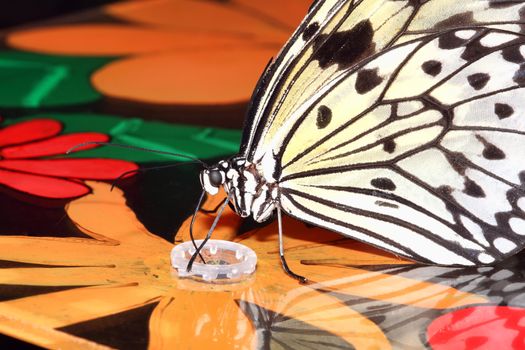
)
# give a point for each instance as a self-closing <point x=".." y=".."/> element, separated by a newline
<point x="36" y="80"/>
<point x="196" y="141"/>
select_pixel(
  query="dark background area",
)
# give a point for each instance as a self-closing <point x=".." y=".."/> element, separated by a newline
<point x="18" y="12"/>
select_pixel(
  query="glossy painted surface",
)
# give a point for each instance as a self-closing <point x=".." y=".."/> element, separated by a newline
<point x="359" y="297"/>
<point x="82" y="266"/>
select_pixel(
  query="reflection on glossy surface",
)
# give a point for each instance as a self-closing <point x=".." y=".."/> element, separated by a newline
<point x="479" y="327"/>
<point x="361" y="297"/>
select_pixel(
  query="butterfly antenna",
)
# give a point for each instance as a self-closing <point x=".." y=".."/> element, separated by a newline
<point x="135" y="148"/>
<point x="141" y="170"/>
<point x="212" y="228"/>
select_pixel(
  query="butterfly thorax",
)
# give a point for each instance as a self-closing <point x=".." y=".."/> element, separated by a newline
<point x="251" y="194"/>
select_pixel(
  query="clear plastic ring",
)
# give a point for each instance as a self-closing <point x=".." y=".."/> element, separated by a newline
<point x="225" y="261"/>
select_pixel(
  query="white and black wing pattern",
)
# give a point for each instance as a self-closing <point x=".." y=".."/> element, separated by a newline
<point x="418" y="145"/>
<point x="337" y="35"/>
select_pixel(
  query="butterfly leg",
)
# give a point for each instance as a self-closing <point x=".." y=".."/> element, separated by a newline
<point x="216" y="209"/>
<point x="212" y="228"/>
<point x="290" y="273"/>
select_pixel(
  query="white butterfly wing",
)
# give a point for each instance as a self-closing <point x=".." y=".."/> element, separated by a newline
<point x="360" y="28"/>
<point x="417" y="145"/>
<point x="338" y="34"/>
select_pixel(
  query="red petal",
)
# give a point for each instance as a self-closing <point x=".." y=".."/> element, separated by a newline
<point x="94" y="169"/>
<point x="479" y="327"/>
<point x="43" y="186"/>
<point x="56" y="145"/>
<point x="31" y="130"/>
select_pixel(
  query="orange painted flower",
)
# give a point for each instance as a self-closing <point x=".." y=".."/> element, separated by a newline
<point x="176" y="52"/>
<point x="25" y="165"/>
<point x="123" y="267"/>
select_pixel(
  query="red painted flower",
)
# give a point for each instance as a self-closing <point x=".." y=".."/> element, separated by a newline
<point x="26" y="165"/>
<point x="478" y="328"/>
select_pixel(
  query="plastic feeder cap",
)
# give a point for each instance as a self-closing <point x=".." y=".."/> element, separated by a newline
<point x="225" y="261"/>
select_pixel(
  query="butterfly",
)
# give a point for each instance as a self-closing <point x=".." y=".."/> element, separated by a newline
<point x="399" y="123"/>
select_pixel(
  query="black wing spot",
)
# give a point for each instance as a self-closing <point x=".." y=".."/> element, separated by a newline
<point x="432" y="67"/>
<point x="389" y="146"/>
<point x="383" y="184"/>
<point x="459" y="20"/>
<point x="445" y="191"/>
<point x="457" y="161"/>
<point x="386" y="204"/>
<point x="512" y="54"/>
<point x="478" y="80"/>
<point x="498" y="4"/>
<point x="490" y="151"/>
<point x="475" y="50"/>
<point x="366" y="80"/>
<point x="324" y="117"/>
<point x="344" y="48"/>
<point x="503" y="110"/>
<point x="473" y="189"/>
<point x="519" y="76"/>
<point x="449" y="41"/>
<point x="310" y="31"/>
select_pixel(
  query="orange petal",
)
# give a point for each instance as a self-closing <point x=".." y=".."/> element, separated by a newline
<point x="45" y="337"/>
<point x="205" y="16"/>
<point x="72" y="306"/>
<point x="289" y="13"/>
<point x="57" y="251"/>
<point x="59" y="276"/>
<point x="200" y="320"/>
<point x="190" y="78"/>
<point x="117" y="223"/>
<point x="113" y="39"/>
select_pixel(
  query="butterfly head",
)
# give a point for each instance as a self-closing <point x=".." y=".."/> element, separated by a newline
<point x="214" y="177"/>
<point x="240" y="179"/>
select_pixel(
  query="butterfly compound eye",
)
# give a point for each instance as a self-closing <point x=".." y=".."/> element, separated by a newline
<point x="215" y="177"/>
